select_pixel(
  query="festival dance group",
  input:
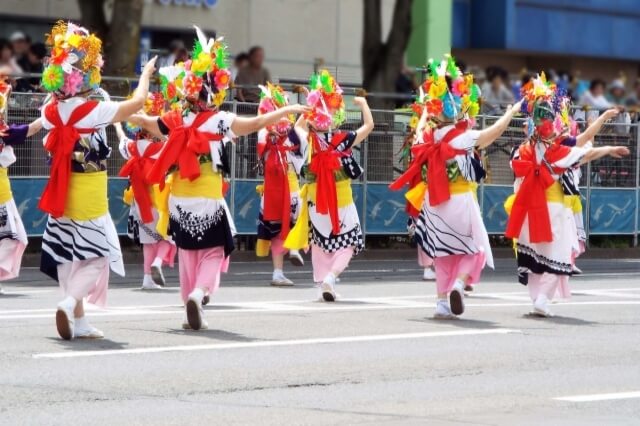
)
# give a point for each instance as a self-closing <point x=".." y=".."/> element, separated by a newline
<point x="173" y="143"/>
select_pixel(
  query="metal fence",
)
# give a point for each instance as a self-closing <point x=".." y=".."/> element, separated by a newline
<point x="611" y="187"/>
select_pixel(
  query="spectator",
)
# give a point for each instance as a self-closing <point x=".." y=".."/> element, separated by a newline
<point x="406" y="85"/>
<point x="37" y="53"/>
<point x="241" y="60"/>
<point x="20" y="42"/>
<point x="175" y="47"/>
<point x="633" y="100"/>
<point x="252" y="75"/>
<point x="7" y="58"/>
<point x="617" y="92"/>
<point x="594" y="100"/>
<point x="495" y="94"/>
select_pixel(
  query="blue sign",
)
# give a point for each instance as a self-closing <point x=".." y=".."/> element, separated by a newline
<point x="612" y="211"/>
<point x="385" y="210"/>
<point x="493" y="214"/>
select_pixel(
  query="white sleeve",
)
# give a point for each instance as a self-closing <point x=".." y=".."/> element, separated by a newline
<point x="467" y="140"/>
<point x="220" y="124"/>
<point x="572" y="158"/>
<point x="103" y="114"/>
<point x="123" y="147"/>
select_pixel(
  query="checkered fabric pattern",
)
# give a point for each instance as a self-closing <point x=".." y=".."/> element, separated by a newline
<point x="334" y="243"/>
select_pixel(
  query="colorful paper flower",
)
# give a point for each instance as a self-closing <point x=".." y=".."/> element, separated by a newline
<point x="52" y="78"/>
<point x="222" y="79"/>
<point x="218" y="98"/>
<point x="192" y="85"/>
<point x="73" y="83"/>
<point x="434" y="107"/>
<point x="200" y="65"/>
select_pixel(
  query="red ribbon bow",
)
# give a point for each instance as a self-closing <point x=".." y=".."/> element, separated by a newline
<point x="61" y="140"/>
<point x="531" y="199"/>
<point x="434" y="156"/>
<point x="136" y="169"/>
<point x="324" y="164"/>
<point x="184" y="145"/>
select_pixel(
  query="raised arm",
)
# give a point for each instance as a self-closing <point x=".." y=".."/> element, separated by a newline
<point x="595" y="127"/>
<point x="34" y="127"/>
<point x="136" y="102"/>
<point x="367" y="118"/>
<point x="245" y="125"/>
<point x="420" y="126"/>
<point x="490" y="134"/>
<point x="596" y="153"/>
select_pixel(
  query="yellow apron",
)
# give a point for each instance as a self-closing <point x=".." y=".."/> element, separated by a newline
<point x="87" y="196"/>
<point x="5" y="186"/>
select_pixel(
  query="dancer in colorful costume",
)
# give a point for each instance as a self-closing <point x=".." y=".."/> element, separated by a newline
<point x="428" y="273"/>
<point x="80" y="241"/>
<point x="542" y="224"/>
<point x="144" y="217"/>
<point x="13" y="237"/>
<point x="327" y="201"/>
<point x="450" y="228"/>
<point x="199" y="219"/>
<point x="280" y="157"/>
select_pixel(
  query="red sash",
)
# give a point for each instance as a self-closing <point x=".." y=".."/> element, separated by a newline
<point x="531" y="200"/>
<point x="61" y="140"/>
<point x="324" y="164"/>
<point x="136" y="169"/>
<point x="277" y="194"/>
<point x="435" y="156"/>
<point x="183" y="146"/>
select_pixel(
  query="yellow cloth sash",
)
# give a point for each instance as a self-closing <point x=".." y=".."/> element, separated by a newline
<point x="87" y="196"/>
<point x="208" y="185"/>
<point x="417" y="194"/>
<point x="263" y="247"/>
<point x="298" y="237"/>
<point x="573" y="202"/>
<point x="5" y="186"/>
<point x="159" y="200"/>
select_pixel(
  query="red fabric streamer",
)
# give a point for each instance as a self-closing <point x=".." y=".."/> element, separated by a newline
<point x="435" y="156"/>
<point x="324" y="164"/>
<point x="136" y="169"/>
<point x="183" y="146"/>
<point x="277" y="194"/>
<point x="60" y="143"/>
<point x="531" y="200"/>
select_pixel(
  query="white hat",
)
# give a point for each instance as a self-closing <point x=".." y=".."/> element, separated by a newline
<point x="616" y="84"/>
<point x="18" y="35"/>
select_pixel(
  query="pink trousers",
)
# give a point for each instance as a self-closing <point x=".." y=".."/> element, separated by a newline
<point x="549" y="285"/>
<point x="201" y="269"/>
<point x="10" y="258"/>
<point x="423" y="259"/>
<point x="162" y="249"/>
<point x="448" y="268"/>
<point x="85" y="278"/>
<point x="323" y="262"/>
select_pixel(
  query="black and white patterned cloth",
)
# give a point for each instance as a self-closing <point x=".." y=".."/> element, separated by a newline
<point x="352" y="238"/>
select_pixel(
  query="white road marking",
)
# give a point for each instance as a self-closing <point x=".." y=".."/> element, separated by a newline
<point x="263" y="344"/>
<point x="599" y="397"/>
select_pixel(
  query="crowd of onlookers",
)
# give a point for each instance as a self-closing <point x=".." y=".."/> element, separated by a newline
<point x="19" y="55"/>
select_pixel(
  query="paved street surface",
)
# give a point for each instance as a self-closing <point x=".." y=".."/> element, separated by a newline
<point x="276" y="357"/>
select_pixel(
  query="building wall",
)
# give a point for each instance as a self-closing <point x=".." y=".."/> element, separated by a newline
<point x="294" y="33"/>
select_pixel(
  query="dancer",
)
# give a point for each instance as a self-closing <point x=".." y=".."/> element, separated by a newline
<point x="327" y="202"/>
<point x="428" y="273"/>
<point x="280" y="157"/>
<point x="13" y="237"/>
<point x="80" y="241"/>
<point x="144" y="217"/>
<point x="450" y="228"/>
<point x="538" y="217"/>
<point x="199" y="219"/>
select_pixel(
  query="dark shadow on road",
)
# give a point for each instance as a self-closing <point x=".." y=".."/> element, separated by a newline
<point x="226" y="336"/>
<point x="12" y="296"/>
<point x="77" y="345"/>
<point x="461" y="323"/>
<point x="560" y="320"/>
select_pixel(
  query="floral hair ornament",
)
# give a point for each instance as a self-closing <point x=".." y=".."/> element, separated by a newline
<point x="272" y="98"/>
<point x="207" y="70"/>
<point x="449" y="95"/>
<point x="325" y="99"/>
<point x="154" y="106"/>
<point x="547" y="108"/>
<point x="75" y="62"/>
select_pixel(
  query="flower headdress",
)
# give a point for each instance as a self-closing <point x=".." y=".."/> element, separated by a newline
<point x="447" y="93"/>
<point x="325" y="99"/>
<point x="75" y="61"/>
<point x="203" y="78"/>
<point x="273" y="97"/>
<point x="547" y="107"/>
<point x="154" y="106"/>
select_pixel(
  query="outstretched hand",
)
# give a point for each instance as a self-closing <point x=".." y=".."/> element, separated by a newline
<point x="298" y="109"/>
<point x="360" y="101"/>
<point x="619" y="151"/>
<point x="150" y="67"/>
<point x="610" y="113"/>
<point x="515" y="108"/>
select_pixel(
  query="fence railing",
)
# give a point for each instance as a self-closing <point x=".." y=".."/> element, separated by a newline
<point x="611" y="188"/>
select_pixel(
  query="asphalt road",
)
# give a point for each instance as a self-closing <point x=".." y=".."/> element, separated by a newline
<point x="275" y="356"/>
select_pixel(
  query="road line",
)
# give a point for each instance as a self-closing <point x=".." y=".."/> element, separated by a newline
<point x="264" y="344"/>
<point x="599" y="397"/>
